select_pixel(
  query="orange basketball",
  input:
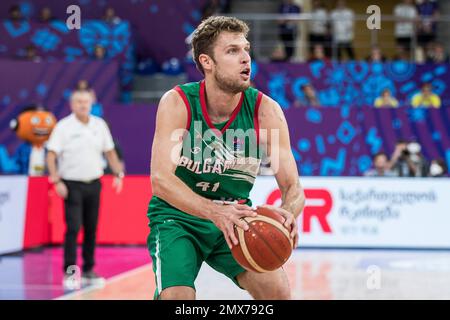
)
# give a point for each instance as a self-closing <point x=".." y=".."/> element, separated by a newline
<point x="266" y="245"/>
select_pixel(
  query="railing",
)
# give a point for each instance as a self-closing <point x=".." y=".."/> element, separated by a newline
<point x="264" y="34"/>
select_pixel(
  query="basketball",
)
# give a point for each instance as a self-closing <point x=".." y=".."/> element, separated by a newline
<point x="266" y="245"/>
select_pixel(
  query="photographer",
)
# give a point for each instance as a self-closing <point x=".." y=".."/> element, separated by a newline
<point x="407" y="160"/>
<point x="438" y="168"/>
<point x="380" y="167"/>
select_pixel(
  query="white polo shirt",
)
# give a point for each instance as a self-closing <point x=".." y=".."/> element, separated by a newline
<point x="80" y="147"/>
<point x="342" y="20"/>
<point x="405" y="11"/>
<point x="318" y="22"/>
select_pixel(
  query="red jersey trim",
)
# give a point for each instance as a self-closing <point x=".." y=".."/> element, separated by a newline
<point x="205" y="111"/>
<point x="186" y="103"/>
<point x="255" y="116"/>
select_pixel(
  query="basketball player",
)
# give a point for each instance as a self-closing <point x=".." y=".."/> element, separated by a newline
<point x="201" y="184"/>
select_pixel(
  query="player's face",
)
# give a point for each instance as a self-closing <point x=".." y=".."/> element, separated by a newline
<point x="231" y="68"/>
<point x="81" y="104"/>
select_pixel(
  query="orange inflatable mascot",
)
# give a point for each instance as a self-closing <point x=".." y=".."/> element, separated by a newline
<point x="33" y="125"/>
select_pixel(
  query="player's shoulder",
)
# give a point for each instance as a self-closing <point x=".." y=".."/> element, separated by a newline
<point x="180" y="93"/>
<point x="270" y="113"/>
<point x="173" y="106"/>
<point x="171" y="99"/>
<point x="268" y="103"/>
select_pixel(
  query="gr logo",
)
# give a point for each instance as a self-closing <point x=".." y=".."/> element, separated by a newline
<point x="319" y="208"/>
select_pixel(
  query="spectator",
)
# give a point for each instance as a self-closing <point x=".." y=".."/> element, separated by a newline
<point x="343" y="34"/>
<point x="110" y="16"/>
<point x="401" y="54"/>
<point x="15" y="15"/>
<point x="309" y="98"/>
<point x="83" y="85"/>
<point x="407" y="160"/>
<point x="99" y="52"/>
<point x="288" y="28"/>
<point x="45" y="16"/>
<point x="386" y="100"/>
<point x="426" y="98"/>
<point x="31" y="54"/>
<point x="415" y="155"/>
<point x="215" y="7"/>
<point x="429" y="52"/>
<point x="419" y="55"/>
<point x="318" y="26"/>
<point x="405" y="31"/>
<point x="376" y="55"/>
<point x="438" y="168"/>
<point x="278" y="54"/>
<point x="439" y="54"/>
<point x="380" y="167"/>
<point x="428" y="12"/>
<point x="318" y="54"/>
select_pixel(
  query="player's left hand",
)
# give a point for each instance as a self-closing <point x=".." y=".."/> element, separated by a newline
<point x="290" y="222"/>
<point x="117" y="184"/>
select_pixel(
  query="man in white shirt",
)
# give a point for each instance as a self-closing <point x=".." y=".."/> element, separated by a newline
<point x="405" y="29"/>
<point x="318" y="26"/>
<point x="77" y="143"/>
<point x="343" y="24"/>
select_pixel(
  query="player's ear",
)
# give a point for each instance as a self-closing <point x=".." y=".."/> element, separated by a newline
<point x="205" y="61"/>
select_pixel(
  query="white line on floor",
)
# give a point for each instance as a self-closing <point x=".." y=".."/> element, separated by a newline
<point x="113" y="279"/>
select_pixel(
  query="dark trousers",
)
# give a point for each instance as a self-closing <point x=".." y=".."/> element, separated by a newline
<point x="423" y="39"/>
<point x="319" y="39"/>
<point x="348" y="47"/>
<point x="81" y="209"/>
<point x="288" y="38"/>
<point x="404" y="42"/>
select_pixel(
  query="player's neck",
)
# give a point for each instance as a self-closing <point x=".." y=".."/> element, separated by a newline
<point x="219" y="104"/>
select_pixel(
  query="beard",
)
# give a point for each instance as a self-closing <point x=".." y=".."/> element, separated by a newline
<point x="227" y="84"/>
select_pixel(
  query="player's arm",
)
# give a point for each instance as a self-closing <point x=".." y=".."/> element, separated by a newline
<point x="273" y="122"/>
<point x="171" y="121"/>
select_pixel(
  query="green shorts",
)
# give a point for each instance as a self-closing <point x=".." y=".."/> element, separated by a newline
<point x="179" y="243"/>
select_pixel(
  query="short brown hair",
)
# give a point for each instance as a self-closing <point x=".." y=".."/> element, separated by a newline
<point x="207" y="32"/>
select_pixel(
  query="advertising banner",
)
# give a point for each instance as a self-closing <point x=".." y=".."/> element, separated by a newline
<point x="369" y="212"/>
<point x="13" y="198"/>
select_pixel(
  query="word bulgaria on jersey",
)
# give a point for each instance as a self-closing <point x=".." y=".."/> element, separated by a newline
<point x="211" y="151"/>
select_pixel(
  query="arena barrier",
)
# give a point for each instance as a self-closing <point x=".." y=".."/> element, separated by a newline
<point x="340" y="212"/>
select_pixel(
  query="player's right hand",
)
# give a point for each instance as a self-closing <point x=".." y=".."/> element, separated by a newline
<point x="229" y="216"/>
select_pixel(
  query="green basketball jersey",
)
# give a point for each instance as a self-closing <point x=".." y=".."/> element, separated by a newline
<point x="219" y="161"/>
